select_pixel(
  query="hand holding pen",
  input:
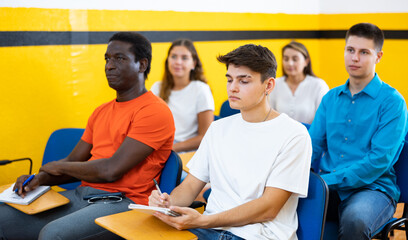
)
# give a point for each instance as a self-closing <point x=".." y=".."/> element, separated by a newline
<point x="159" y="199"/>
<point x="26" y="181"/>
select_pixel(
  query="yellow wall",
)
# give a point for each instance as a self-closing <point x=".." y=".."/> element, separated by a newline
<point x="44" y="88"/>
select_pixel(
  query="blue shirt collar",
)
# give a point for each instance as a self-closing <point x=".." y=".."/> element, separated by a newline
<point x="372" y="89"/>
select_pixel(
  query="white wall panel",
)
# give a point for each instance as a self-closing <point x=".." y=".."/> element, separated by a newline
<point x="253" y="6"/>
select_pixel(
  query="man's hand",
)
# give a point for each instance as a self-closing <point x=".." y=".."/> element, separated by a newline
<point x="52" y="168"/>
<point x="22" y="191"/>
<point x="157" y="200"/>
<point x="189" y="218"/>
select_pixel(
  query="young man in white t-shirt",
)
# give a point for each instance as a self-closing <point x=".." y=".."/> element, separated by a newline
<point x="257" y="162"/>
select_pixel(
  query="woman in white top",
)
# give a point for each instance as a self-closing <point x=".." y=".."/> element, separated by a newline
<point x="185" y="90"/>
<point x="298" y="93"/>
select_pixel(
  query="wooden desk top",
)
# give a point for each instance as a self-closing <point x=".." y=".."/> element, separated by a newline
<point x="48" y="200"/>
<point x="185" y="157"/>
<point x="138" y="225"/>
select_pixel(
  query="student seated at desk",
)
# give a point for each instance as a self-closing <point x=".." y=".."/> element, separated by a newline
<point x="298" y="92"/>
<point x="184" y="88"/>
<point x="361" y="126"/>
<point x="124" y="147"/>
<point x="257" y="161"/>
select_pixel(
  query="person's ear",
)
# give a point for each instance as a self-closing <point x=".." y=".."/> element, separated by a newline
<point x="379" y="56"/>
<point x="143" y="65"/>
<point x="270" y="85"/>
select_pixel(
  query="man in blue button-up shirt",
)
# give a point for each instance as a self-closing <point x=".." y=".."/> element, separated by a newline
<point x="360" y="127"/>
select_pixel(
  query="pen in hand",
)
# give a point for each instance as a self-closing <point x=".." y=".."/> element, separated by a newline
<point x="25" y="182"/>
<point x="157" y="186"/>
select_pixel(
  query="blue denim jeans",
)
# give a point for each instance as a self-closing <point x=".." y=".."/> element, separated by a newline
<point x="213" y="234"/>
<point x="360" y="215"/>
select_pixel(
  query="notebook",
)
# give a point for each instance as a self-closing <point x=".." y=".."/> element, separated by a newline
<point x="9" y="196"/>
<point x="151" y="210"/>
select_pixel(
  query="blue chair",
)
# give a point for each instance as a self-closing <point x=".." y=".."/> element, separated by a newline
<point x="59" y="145"/>
<point x="171" y="174"/>
<point x="312" y="210"/>
<point x="226" y="110"/>
<point x="401" y="170"/>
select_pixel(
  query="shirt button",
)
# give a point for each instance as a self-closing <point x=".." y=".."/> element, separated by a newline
<point x="342" y="155"/>
<point x="346" y="139"/>
<point x="352" y="102"/>
<point x="334" y="170"/>
<point x="349" y="120"/>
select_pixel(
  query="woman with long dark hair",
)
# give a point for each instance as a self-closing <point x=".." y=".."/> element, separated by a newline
<point x="298" y="92"/>
<point x="187" y="93"/>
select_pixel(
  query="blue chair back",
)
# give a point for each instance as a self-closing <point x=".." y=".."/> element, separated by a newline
<point x="226" y="110"/>
<point x="401" y="170"/>
<point x="312" y="210"/>
<point x="171" y="173"/>
<point x="59" y="145"/>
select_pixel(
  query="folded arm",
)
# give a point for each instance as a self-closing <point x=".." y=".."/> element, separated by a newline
<point x="385" y="144"/>
<point x="130" y="153"/>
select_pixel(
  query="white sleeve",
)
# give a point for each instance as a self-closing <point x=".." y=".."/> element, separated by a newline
<point x="199" y="164"/>
<point x="205" y="100"/>
<point x="292" y="166"/>
<point x="156" y="88"/>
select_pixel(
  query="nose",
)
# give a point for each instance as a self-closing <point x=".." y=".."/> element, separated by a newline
<point x="178" y="60"/>
<point x="233" y="86"/>
<point x="355" y="57"/>
<point x="109" y="65"/>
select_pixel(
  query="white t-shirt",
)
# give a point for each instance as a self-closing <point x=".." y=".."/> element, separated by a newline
<point x="240" y="159"/>
<point x="302" y="105"/>
<point x="185" y="104"/>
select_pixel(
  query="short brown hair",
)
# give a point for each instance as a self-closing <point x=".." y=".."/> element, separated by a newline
<point x="256" y="57"/>
<point x="369" y="31"/>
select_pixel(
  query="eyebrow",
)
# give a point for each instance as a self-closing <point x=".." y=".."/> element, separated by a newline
<point x="240" y="76"/>
<point x="360" y="49"/>
<point x="115" y="54"/>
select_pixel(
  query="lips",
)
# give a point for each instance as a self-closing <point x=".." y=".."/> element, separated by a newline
<point x="233" y="98"/>
<point x="111" y="76"/>
<point x="353" y="67"/>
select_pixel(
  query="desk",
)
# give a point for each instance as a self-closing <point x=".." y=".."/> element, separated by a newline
<point x="137" y="225"/>
<point x="185" y="157"/>
<point x="48" y="200"/>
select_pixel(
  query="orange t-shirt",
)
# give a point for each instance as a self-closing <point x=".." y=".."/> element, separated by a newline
<point x="146" y="119"/>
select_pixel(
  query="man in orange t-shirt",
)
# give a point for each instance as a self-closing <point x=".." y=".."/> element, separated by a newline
<point x="124" y="147"/>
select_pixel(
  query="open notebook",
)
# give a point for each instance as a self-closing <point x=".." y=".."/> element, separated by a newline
<point x="9" y="196"/>
<point x="151" y="210"/>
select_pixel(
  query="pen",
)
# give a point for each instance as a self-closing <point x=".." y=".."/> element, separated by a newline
<point x="26" y="181"/>
<point x="157" y="186"/>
